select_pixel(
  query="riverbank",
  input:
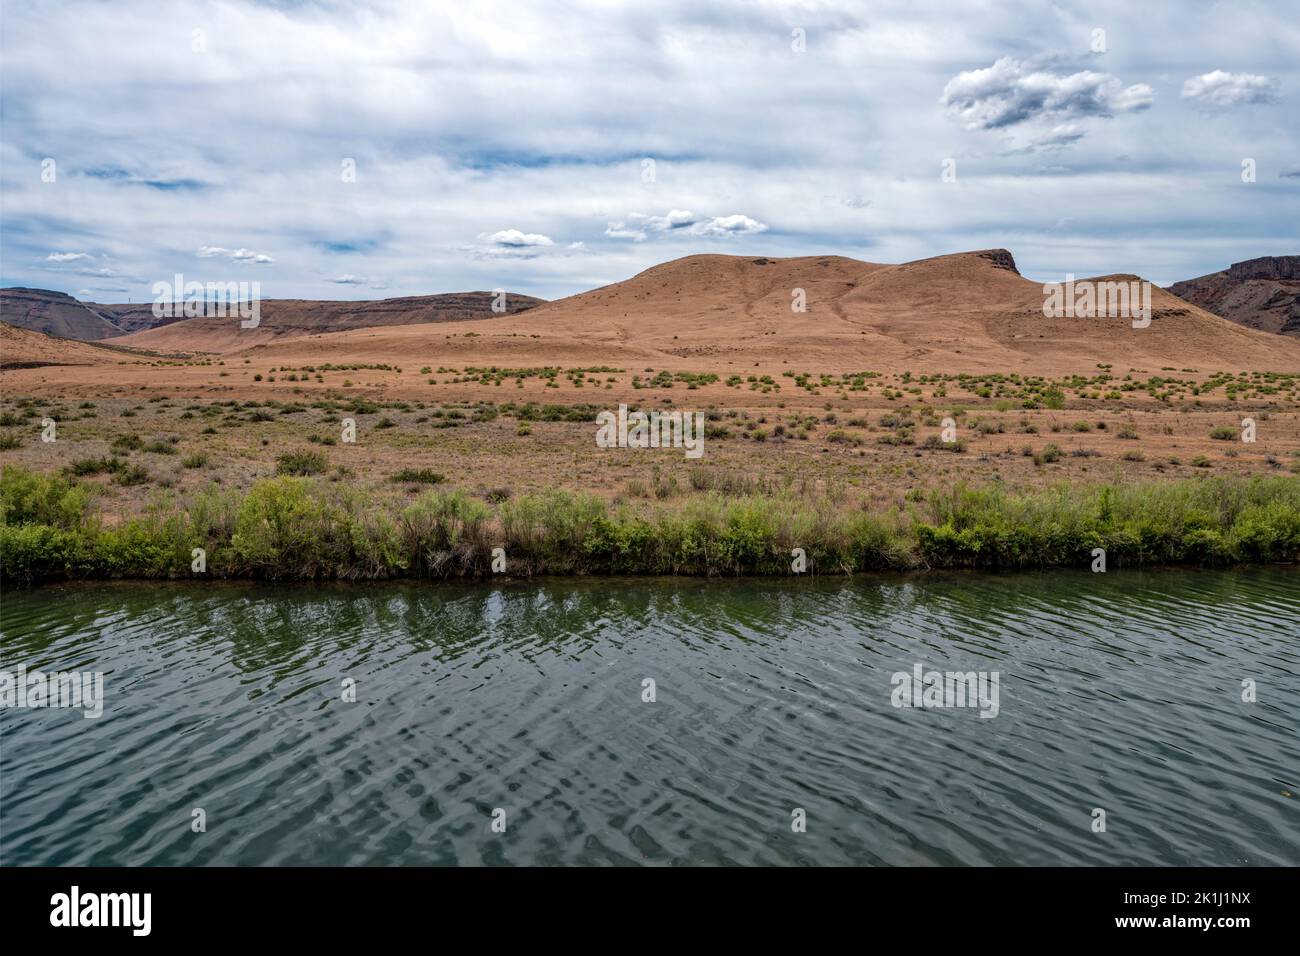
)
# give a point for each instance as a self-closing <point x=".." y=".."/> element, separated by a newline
<point x="300" y="528"/>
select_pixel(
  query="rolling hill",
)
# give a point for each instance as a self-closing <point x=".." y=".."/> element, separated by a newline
<point x="22" y="348"/>
<point x="968" y="312"/>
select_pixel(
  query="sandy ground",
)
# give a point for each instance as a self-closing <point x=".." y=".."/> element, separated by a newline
<point x="816" y="438"/>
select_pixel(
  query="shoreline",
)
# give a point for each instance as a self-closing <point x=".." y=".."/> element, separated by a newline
<point x="307" y="529"/>
<point x="592" y="579"/>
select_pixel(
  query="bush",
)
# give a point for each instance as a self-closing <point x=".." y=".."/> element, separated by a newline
<point x="423" y="476"/>
<point x="128" y="443"/>
<point x="1050" y="453"/>
<point x="27" y="497"/>
<point x="301" y="463"/>
<point x="95" y="466"/>
<point x="282" y="529"/>
<point x="132" y="475"/>
<point x="35" y="552"/>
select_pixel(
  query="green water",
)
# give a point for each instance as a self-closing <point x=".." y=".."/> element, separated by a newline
<point x="1119" y="692"/>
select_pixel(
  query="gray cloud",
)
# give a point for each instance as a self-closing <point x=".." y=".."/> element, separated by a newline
<point x="1012" y="91"/>
<point x="1220" y="88"/>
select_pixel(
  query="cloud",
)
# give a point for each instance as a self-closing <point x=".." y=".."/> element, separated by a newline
<point x="639" y="227"/>
<point x="350" y="279"/>
<point x="235" y="255"/>
<point x="66" y="256"/>
<point x="1220" y="88"/>
<point x="1013" y="91"/>
<point x="1058" y="137"/>
<point x="434" y="172"/>
<point x="514" y="239"/>
<point x="1289" y="172"/>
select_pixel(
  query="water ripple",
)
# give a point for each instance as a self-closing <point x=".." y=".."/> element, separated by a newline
<point x="1120" y="692"/>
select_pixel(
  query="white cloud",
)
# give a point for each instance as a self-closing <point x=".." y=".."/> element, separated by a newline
<point x="235" y="255"/>
<point x="1013" y="91"/>
<point x="639" y="227"/>
<point x="1220" y="88"/>
<point x="66" y="256"/>
<point x="349" y="279"/>
<point x="514" y="239"/>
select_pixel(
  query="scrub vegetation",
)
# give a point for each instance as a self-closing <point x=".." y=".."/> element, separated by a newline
<point x="292" y="527"/>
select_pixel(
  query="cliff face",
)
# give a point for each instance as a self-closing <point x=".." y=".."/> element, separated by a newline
<point x="1266" y="267"/>
<point x="55" y="313"/>
<point x="1261" y="293"/>
<point x="1001" y="258"/>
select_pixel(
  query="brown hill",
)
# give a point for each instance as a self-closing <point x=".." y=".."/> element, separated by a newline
<point x="23" y="348"/>
<point x="55" y="313"/>
<point x="969" y="312"/>
<point x="281" y="318"/>
<point x="1259" y="293"/>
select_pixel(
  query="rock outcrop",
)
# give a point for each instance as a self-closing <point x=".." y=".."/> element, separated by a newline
<point x="1261" y="293"/>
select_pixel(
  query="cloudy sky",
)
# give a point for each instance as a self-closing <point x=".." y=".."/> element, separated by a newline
<point x="361" y="150"/>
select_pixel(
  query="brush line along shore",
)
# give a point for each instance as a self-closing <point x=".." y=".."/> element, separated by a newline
<point x="293" y="528"/>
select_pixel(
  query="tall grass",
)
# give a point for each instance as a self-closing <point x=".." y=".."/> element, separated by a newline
<point x="298" y="528"/>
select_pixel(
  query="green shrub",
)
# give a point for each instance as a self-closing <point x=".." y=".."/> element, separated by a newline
<point x="283" y="529"/>
<point x="1050" y="453"/>
<point x="423" y="476"/>
<point x="128" y="443"/>
<point x="95" y="466"/>
<point x="27" y="497"/>
<point x="132" y="475"/>
<point x="301" y="463"/>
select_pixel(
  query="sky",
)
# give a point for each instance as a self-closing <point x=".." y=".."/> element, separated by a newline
<point x="346" y="150"/>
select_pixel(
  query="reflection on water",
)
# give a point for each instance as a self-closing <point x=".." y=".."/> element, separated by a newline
<point x="1118" y="691"/>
